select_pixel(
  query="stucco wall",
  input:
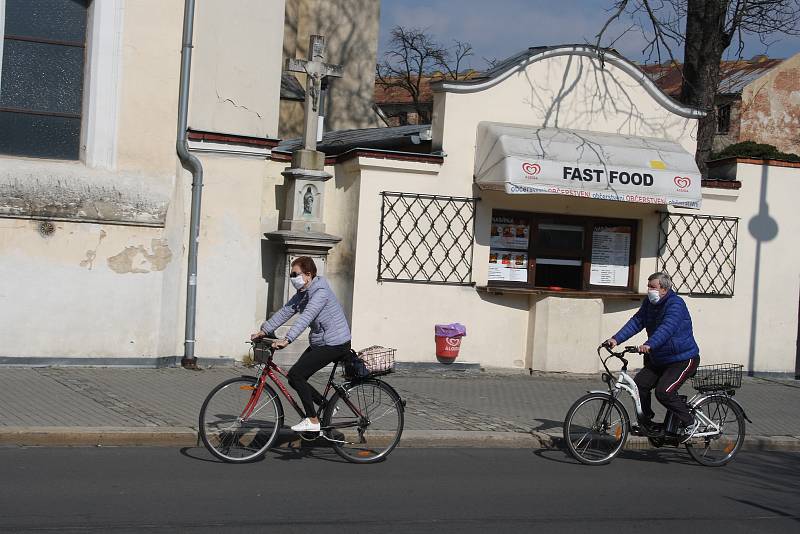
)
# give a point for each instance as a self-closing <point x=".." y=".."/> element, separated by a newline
<point x="770" y="111"/>
<point x="236" y="63"/>
<point x="758" y="326"/>
<point x="86" y="289"/>
<point x="114" y="285"/>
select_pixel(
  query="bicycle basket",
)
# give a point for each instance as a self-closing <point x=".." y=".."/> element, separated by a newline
<point x="377" y="360"/>
<point x="262" y="352"/>
<point x="718" y="377"/>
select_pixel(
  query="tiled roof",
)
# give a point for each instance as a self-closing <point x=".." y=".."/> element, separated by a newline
<point x="734" y="75"/>
<point x="396" y="95"/>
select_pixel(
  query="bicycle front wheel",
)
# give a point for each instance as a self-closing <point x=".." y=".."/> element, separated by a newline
<point x="237" y="422"/>
<point x="366" y="423"/>
<point x="717" y="449"/>
<point x="596" y="428"/>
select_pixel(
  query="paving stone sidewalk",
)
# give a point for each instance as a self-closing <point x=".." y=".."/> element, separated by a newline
<point x="437" y="401"/>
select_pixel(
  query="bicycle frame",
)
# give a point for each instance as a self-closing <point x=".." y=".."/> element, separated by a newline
<point x="273" y="371"/>
<point x="625" y="382"/>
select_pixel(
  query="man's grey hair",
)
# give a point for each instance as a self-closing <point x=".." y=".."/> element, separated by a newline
<point x="663" y="279"/>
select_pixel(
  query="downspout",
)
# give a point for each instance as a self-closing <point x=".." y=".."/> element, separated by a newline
<point x="193" y="165"/>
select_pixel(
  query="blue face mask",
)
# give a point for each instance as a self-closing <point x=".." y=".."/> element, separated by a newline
<point x="653" y="296"/>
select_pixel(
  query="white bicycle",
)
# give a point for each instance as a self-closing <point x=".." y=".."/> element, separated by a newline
<point x="597" y="425"/>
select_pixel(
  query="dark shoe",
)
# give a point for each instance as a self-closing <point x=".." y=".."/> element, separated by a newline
<point x="652" y="429"/>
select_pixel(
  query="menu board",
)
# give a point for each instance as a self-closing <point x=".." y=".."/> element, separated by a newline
<point x="509" y="233"/>
<point x="508" y="265"/>
<point x="611" y="252"/>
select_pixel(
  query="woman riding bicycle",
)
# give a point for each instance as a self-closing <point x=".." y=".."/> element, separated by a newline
<point x="329" y="337"/>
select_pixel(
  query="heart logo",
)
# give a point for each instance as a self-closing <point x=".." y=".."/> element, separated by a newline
<point x="531" y="169"/>
<point x="683" y="182"/>
<point x="453" y="341"/>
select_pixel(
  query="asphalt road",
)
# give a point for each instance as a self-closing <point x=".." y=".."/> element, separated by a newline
<point x="415" y="490"/>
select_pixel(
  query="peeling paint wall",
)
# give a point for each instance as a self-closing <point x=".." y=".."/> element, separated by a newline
<point x="61" y="297"/>
<point x="67" y="190"/>
<point x="771" y="108"/>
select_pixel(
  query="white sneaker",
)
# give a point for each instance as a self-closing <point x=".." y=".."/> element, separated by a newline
<point x="690" y="431"/>
<point x="306" y="426"/>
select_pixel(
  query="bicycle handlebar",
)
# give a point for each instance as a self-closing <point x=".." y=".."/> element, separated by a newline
<point x="265" y="339"/>
<point x="630" y="349"/>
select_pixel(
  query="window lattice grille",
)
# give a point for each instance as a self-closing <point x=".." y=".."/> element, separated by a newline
<point x="426" y="239"/>
<point x="698" y="252"/>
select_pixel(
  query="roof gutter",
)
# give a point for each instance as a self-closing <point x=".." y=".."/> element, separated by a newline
<point x="191" y="163"/>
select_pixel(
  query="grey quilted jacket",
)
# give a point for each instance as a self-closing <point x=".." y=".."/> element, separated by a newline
<point x="318" y="308"/>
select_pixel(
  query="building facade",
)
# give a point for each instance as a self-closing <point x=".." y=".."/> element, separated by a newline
<point x="531" y="210"/>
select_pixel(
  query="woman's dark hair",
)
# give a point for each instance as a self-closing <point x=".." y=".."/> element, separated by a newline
<point x="306" y="265"/>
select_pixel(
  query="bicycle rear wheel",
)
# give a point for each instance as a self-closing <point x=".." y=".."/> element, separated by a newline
<point x="719" y="449"/>
<point x="237" y="424"/>
<point x="596" y="428"/>
<point x="366" y="424"/>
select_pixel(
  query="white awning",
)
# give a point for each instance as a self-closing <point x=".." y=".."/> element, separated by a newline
<point x="524" y="160"/>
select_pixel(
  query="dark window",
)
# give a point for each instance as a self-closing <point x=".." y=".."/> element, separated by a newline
<point x="402" y="118"/>
<point x="723" y="119"/>
<point x="41" y="87"/>
<point x="561" y="252"/>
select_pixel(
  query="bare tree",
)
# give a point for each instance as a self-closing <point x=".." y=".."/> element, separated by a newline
<point x="705" y="29"/>
<point x="414" y="55"/>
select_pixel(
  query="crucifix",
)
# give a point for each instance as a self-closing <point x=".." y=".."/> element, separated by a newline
<point x="315" y="69"/>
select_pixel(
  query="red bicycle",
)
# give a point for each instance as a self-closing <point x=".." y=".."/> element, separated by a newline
<point x="362" y="419"/>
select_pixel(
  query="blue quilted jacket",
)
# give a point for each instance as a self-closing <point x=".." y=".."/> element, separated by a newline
<point x="319" y="309"/>
<point x="669" y="328"/>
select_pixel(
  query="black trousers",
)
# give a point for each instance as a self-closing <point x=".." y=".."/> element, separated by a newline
<point x="311" y="361"/>
<point x="666" y="379"/>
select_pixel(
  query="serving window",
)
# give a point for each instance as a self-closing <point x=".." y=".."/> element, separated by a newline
<point x="558" y="252"/>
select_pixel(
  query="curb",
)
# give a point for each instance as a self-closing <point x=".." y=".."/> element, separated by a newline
<point x="187" y="437"/>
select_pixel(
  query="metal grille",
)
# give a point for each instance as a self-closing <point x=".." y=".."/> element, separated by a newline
<point x="426" y="239"/>
<point x="698" y="252"/>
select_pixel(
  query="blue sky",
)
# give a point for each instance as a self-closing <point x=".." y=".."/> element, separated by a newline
<point x="499" y="28"/>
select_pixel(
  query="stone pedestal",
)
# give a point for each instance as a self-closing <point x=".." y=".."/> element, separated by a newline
<point x="301" y="232"/>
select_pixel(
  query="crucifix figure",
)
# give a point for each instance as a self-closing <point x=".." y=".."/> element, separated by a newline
<point x="315" y="69"/>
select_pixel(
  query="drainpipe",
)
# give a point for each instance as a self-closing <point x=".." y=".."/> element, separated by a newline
<point x="193" y="165"/>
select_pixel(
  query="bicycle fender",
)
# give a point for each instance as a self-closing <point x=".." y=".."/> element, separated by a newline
<point x="741" y="408"/>
<point x="604" y="391"/>
<point x="736" y="402"/>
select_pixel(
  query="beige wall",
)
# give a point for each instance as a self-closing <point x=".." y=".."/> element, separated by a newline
<point x="87" y="289"/>
<point x="237" y="65"/>
<point x="115" y="287"/>
<point x="767" y="274"/>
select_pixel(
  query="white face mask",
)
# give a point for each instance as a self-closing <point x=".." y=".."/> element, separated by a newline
<point x="654" y="296"/>
<point x="298" y="282"/>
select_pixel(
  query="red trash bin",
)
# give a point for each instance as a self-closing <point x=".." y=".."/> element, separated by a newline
<point x="447" y="347"/>
<point x="448" y="340"/>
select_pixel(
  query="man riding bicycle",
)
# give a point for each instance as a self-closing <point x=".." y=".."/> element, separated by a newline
<point x="671" y="352"/>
